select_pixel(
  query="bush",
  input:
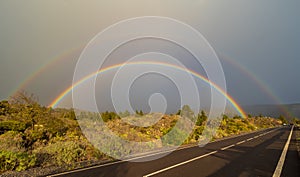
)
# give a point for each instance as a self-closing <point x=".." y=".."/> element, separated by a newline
<point x="107" y="116"/>
<point x="16" y="160"/>
<point x="67" y="152"/>
<point x="35" y="135"/>
<point x="201" y="118"/>
<point x="12" y="141"/>
<point x="53" y="126"/>
<point x="174" y="137"/>
<point x="12" y="125"/>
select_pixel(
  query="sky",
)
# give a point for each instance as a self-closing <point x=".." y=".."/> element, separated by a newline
<point x="258" y="43"/>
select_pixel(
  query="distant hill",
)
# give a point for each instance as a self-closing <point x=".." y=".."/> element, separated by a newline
<point x="287" y="110"/>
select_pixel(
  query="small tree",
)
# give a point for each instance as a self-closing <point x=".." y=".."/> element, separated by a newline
<point x="23" y="97"/>
<point x="187" y="112"/>
<point x="139" y="113"/>
<point x="178" y="112"/>
<point x="202" y="117"/>
<point x="225" y="117"/>
<point x="106" y="116"/>
<point x="283" y="119"/>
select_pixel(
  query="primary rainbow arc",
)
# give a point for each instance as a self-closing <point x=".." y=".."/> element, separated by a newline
<point x="61" y="96"/>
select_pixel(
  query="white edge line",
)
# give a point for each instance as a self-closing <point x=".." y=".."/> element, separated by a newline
<point x="279" y="166"/>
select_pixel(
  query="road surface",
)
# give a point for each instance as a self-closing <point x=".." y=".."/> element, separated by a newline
<point x="256" y="154"/>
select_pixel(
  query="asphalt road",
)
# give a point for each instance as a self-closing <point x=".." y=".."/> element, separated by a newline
<point x="255" y="154"/>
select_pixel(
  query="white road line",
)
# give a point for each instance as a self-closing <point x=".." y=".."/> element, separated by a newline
<point x="279" y="166"/>
<point x="227" y="147"/>
<point x="249" y="139"/>
<point x="179" y="164"/>
<point x="240" y="142"/>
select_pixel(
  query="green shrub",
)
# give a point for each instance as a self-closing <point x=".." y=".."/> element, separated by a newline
<point x="16" y="160"/>
<point x="201" y="118"/>
<point x="12" y="125"/>
<point x="106" y="116"/>
<point x="12" y="141"/>
<point x="67" y="152"/>
<point x="198" y="132"/>
<point x="174" y="137"/>
<point x="35" y="135"/>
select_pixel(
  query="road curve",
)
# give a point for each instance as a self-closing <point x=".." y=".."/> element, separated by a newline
<point x="254" y="154"/>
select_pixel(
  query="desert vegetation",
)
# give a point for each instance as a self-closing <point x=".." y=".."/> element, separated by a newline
<point x="32" y="135"/>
